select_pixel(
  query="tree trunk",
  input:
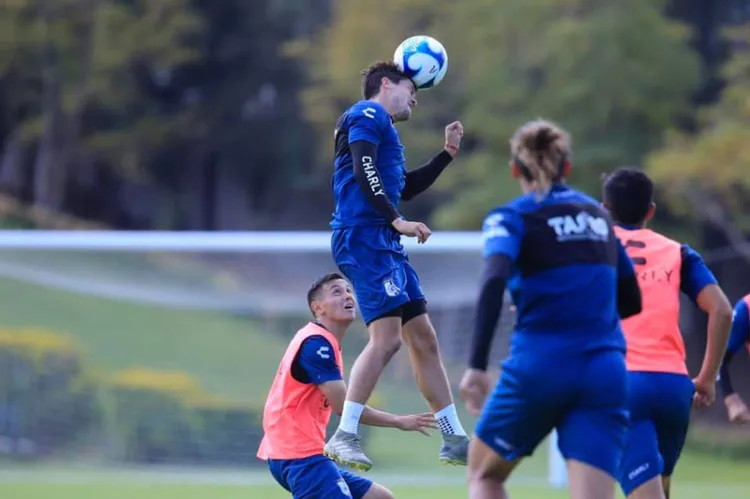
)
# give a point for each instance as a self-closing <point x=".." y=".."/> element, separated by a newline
<point x="11" y="166"/>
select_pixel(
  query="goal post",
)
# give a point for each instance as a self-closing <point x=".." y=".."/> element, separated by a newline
<point x="113" y="291"/>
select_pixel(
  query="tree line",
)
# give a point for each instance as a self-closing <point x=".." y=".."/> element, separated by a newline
<point x="196" y="114"/>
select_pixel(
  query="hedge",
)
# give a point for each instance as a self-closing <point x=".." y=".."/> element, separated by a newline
<point x="48" y="398"/>
<point x="167" y="417"/>
<point x="50" y="402"/>
<point x="729" y="442"/>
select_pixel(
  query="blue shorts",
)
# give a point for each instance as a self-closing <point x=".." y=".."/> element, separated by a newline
<point x="583" y="396"/>
<point x="376" y="263"/>
<point x="317" y="477"/>
<point x="660" y="405"/>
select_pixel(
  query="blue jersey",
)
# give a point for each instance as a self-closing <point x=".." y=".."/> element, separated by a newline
<point x="694" y="273"/>
<point x="739" y="336"/>
<point x="310" y="367"/>
<point x="740" y="328"/>
<point x="566" y="262"/>
<point x="368" y="121"/>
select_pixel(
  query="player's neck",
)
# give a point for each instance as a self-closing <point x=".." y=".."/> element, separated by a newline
<point x="337" y="329"/>
<point x="639" y="226"/>
<point x="382" y="101"/>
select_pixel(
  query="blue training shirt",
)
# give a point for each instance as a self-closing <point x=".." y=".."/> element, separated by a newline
<point x="740" y="328"/>
<point x="315" y="362"/>
<point x="565" y="263"/>
<point x="368" y="121"/>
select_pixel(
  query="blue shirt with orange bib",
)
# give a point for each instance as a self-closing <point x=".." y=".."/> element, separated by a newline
<point x="295" y="418"/>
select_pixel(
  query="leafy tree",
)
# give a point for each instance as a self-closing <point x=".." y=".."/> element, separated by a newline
<point x="614" y="74"/>
<point x="705" y="173"/>
<point x="88" y="59"/>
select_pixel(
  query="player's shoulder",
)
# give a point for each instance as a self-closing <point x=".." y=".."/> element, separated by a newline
<point x="317" y="345"/>
<point x="741" y="304"/>
<point x="369" y="109"/>
<point x="502" y="218"/>
<point x="664" y="241"/>
<point x="689" y="254"/>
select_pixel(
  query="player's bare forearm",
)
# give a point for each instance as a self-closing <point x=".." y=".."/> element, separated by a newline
<point x="335" y="393"/>
<point x="713" y="301"/>
<point x="374" y="417"/>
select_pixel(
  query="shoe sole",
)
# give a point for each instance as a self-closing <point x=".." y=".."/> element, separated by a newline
<point x="349" y="464"/>
<point x="447" y="461"/>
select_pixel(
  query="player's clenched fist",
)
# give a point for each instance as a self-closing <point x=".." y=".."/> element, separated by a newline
<point x="453" y="134"/>
<point x="705" y="392"/>
<point x="412" y="229"/>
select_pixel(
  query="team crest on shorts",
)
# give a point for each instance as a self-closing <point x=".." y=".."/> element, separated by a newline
<point x="390" y="288"/>
<point x="344" y="487"/>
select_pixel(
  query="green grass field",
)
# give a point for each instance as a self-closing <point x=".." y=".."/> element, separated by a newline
<point x="696" y="478"/>
<point x="236" y="358"/>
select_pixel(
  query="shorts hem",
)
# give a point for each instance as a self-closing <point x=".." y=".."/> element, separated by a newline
<point x="370" y="318"/>
<point x="634" y="485"/>
<point x="506" y="455"/>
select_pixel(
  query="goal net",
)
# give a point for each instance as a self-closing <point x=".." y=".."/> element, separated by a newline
<point x="124" y="348"/>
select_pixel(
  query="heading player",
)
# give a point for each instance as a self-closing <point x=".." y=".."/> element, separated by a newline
<point x="740" y="335"/>
<point x="661" y="392"/>
<point x="369" y="180"/>
<point x="569" y="278"/>
<point x="308" y="386"/>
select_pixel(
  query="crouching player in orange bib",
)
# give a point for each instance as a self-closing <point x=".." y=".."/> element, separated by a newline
<point x="308" y="386"/>
<point x="661" y="392"/>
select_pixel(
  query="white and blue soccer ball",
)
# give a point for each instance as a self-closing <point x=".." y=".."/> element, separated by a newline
<point x="423" y="59"/>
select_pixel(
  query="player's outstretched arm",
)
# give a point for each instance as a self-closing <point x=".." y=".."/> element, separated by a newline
<point x="335" y="393"/>
<point x="420" y="179"/>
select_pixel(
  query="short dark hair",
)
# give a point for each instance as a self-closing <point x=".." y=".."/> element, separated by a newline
<point x="314" y="292"/>
<point x="628" y="194"/>
<point x="372" y="77"/>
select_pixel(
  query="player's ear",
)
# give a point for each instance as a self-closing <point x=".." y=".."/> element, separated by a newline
<point x="514" y="169"/>
<point x="567" y="167"/>
<point x="315" y="308"/>
<point x="651" y="211"/>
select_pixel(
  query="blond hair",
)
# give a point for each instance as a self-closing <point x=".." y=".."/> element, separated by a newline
<point x="541" y="147"/>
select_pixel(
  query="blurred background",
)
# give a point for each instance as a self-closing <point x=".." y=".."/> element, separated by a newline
<point x="217" y="116"/>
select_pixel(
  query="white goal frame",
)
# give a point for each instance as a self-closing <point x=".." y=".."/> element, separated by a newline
<point x="247" y="242"/>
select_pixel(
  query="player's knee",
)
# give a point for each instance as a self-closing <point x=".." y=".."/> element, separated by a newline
<point x="385" y="336"/>
<point x="425" y="346"/>
<point x="484" y="465"/>
<point x="377" y="491"/>
<point x="387" y="345"/>
<point x="422" y="338"/>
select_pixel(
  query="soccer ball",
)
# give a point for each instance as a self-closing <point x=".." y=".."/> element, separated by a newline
<point x="423" y="59"/>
